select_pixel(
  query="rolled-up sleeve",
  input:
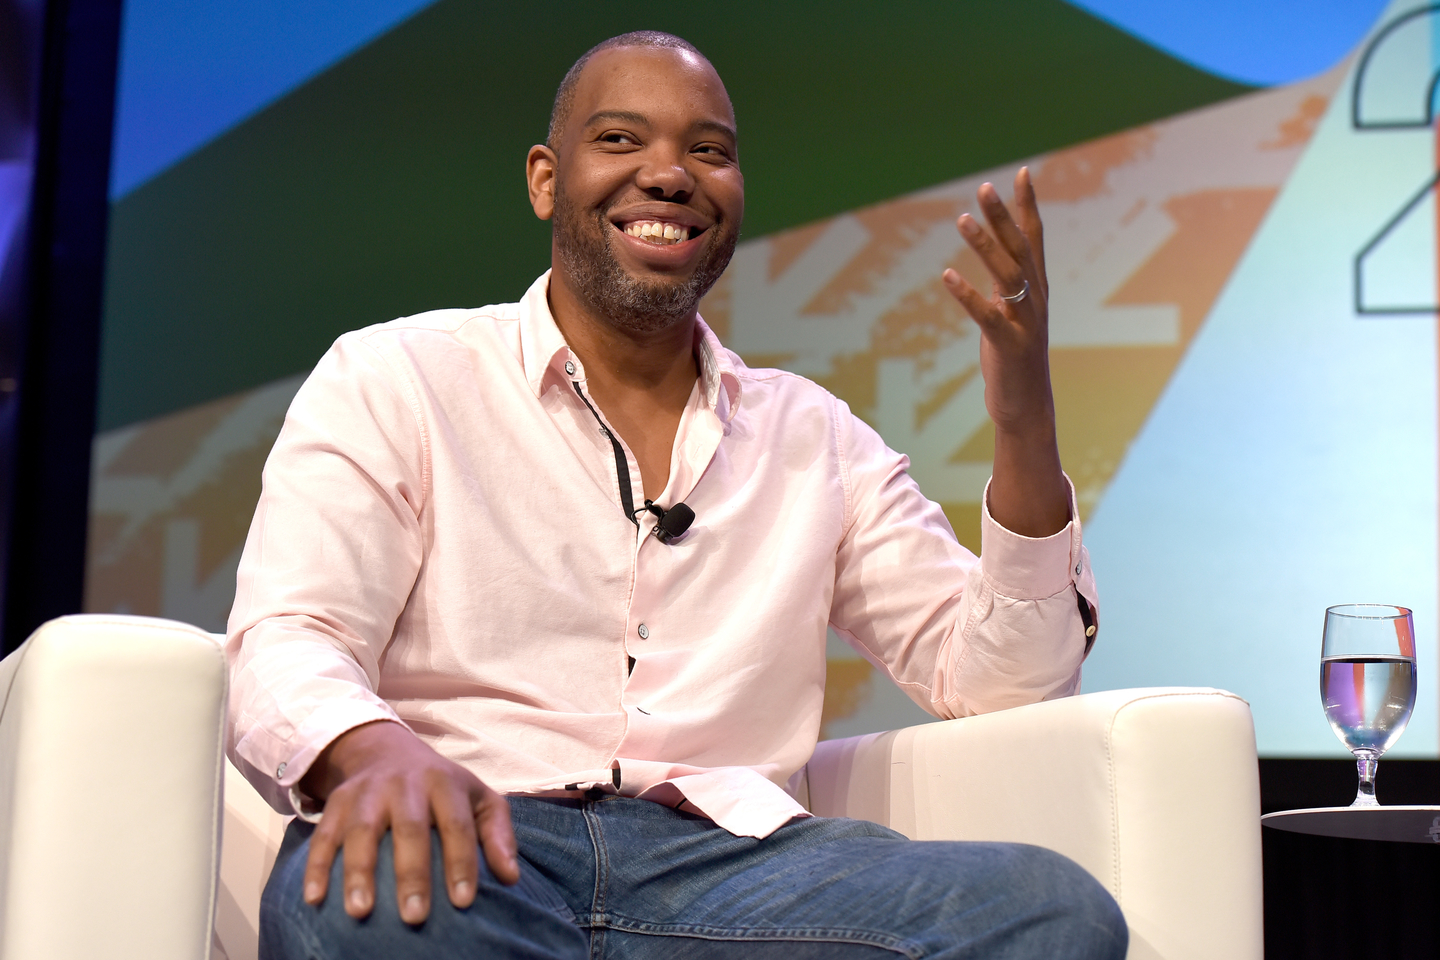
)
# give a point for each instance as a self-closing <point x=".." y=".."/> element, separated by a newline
<point x="961" y="635"/>
<point x="330" y="559"/>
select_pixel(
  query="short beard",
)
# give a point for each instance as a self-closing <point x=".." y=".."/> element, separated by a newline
<point x="598" y="280"/>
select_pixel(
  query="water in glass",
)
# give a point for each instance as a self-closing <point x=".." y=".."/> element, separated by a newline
<point x="1367" y="682"/>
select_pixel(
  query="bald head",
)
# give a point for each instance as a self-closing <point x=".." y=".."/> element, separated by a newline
<point x="565" y="95"/>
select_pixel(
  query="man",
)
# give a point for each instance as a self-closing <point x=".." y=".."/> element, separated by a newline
<point x="453" y="592"/>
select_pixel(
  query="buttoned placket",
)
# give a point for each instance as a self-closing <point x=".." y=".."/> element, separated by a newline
<point x="696" y="441"/>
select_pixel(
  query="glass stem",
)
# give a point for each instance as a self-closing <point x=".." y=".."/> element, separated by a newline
<point x="1365" y="796"/>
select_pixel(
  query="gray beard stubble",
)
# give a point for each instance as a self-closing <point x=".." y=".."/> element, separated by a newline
<point x="605" y="287"/>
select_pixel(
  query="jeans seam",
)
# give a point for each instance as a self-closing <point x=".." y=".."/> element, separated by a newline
<point x="596" y="920"/>
<point x="811" y="934"/>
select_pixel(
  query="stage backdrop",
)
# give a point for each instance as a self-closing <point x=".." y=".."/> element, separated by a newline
<point x="1243" y="284"/>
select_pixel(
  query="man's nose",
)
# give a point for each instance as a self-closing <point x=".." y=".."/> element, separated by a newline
<point x="664" y="175"/>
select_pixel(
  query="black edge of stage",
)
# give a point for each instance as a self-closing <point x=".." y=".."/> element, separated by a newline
<point x="44" y="524"/>
<point x="1352" y="899"/>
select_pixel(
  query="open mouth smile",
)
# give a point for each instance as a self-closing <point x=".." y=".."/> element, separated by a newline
<point x="660" y="233"/>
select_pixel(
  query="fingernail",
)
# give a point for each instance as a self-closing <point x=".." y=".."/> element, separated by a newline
<point x="357" y="899"/>
<point x="312" y="891"/>
<point x="969" y="226"/>
<point x="462" y="890"/>
<point x="414" y="905"/>
<point x="949" y="276"/>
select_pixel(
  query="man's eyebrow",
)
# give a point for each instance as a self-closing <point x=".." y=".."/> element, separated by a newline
<point x="640" y="120"/>
<point x="622" y="116"/>
<point x="716" y="126"/>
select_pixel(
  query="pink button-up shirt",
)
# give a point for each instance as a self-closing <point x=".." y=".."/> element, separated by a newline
<point x="441" y="541"/>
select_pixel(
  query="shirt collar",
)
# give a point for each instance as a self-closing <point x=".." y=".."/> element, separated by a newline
<point x="544" y="353"/>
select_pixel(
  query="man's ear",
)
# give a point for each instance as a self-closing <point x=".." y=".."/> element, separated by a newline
<point x="540" y="177"/>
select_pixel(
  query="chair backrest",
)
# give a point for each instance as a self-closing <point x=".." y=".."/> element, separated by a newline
<point x="110" y="798"/>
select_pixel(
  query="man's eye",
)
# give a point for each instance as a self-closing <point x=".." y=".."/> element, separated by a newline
<point x="617" y="138"/>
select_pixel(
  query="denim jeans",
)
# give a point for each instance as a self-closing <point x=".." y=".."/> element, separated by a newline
<point x="625" y="878"/>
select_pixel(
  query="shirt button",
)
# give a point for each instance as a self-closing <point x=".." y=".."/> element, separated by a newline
<point x="280" y="771"/>
<point x="1077" y="568"/>
<point x="570" y="368"/>
<point x="644" y="632"/>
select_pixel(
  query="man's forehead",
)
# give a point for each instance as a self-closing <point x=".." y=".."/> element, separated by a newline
<point x="641" y="80"/>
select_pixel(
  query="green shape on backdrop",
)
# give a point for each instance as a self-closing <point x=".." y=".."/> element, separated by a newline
<point x="393" y="183"/>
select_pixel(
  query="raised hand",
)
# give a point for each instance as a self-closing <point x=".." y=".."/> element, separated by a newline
<point x="1028" y="493"/>
<point x="381" y="776"/>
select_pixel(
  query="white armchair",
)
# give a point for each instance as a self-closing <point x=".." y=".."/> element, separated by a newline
<point x="110" y="763"/>
<point x="110" y="790"/>
<point x="1155" y="791"/>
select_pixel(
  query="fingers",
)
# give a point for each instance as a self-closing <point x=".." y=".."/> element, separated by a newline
<point x="323" y="844"/>
<point x="390" y="780"/>
<point x="410" y="836"/>
<point x="358" y="856"/>
<point x="980" y="308"/>
<point x="1011" y="237"/>
<point x="1010" y="250"/>
<point x="1028" y="214"/>
<point x="497" y="837"/>
<point x="1009" y="278"/>
<point x="459" y="846"/>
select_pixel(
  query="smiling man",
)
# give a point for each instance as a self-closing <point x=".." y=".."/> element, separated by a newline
<point x="531" y="621"/>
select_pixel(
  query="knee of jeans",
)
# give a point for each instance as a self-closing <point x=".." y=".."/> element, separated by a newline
<point x="528" y="919"/>
<point x="283" y="904"/>
<point x="1072" y="895"/>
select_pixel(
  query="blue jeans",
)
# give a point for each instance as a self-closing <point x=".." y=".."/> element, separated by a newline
<point x="624" y="878"/>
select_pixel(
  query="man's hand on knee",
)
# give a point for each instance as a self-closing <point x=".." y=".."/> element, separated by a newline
<point x="381" y="776"/>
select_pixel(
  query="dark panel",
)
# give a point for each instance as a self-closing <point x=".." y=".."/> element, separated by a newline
<point x="21" y="34"/>
<point x="55" y="422"/>
<point x="393" y="183"/>
<point x="1329" y="899"/>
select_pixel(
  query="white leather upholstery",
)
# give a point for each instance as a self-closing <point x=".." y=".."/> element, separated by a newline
<point x="111" y="769"/>
<point x="1154" y="791"/>
<point x="110" y="797"/>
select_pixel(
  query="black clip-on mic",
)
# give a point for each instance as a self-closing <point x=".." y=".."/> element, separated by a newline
<point x="673" y="522"/>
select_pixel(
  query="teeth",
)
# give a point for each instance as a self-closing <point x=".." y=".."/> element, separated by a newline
<point x="658" y="232"/>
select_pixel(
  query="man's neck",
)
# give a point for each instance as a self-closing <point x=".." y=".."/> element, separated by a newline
<point x="624" y="366"/>
<point x="641" y="382"/>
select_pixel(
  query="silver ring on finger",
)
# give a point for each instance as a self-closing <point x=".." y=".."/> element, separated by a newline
<point x="1017" y="297"/>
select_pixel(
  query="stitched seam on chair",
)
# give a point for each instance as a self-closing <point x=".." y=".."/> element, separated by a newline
<point x="1114" y="802"/>
<point x="1110" y="760"/>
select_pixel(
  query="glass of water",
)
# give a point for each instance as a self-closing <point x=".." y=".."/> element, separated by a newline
<point x="1367" y="681"/>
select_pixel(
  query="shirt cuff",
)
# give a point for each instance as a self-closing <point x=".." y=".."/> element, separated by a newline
<point x="320" y="730"/>
<point x="1030" y="568"/>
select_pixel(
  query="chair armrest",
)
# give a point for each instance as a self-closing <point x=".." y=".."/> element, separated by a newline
<point x="1154" y="791"/>
<point x="110" y="764"/>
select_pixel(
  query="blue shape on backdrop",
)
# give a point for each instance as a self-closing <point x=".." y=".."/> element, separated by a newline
<point x="190" y="71"/>
<point x="1267" y="43"/>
